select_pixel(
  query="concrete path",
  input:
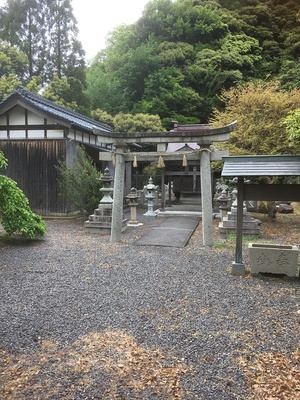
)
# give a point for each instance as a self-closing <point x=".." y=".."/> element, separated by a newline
<point x="172" y="232"/>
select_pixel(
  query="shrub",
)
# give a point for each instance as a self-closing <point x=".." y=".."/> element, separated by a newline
<point x="79" y="184"/>
<point x="15" y="213"/>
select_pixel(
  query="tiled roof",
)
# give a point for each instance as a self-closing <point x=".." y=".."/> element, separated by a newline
<point x="71" y="118"/>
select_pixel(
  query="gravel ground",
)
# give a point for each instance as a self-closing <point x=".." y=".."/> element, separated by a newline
<point x="82" y="318"/>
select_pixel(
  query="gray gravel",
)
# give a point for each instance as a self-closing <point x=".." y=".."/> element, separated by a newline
<point x="181" y="300"/>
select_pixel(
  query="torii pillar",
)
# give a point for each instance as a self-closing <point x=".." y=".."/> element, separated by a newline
<point x="117" y="211"/>
<point x="206" y="197"/>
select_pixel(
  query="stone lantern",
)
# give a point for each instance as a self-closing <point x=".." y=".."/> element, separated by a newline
<point x="223" y="200"/>
<point x="132" y="202"/>
<point x="106" y="180"/>
<point x="100" y="221"/>
<point x="150" y="196"/>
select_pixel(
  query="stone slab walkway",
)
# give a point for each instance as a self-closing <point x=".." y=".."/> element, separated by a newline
<point x="172" y="232"/>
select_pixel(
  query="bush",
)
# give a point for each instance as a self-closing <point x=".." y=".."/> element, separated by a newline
<point x="79" y="184"/>
<point x="15" y="213"/>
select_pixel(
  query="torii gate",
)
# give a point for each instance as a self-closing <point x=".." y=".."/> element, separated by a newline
<point x="203" y="135"/>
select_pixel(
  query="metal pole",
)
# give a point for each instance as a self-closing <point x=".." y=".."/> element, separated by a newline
<point x="239" y="222"/>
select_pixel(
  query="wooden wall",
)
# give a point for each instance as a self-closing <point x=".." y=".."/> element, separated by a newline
<point x="31" y="163"/>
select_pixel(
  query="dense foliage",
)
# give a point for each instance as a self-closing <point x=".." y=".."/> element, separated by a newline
<point x="79" y="183"/>
<point x="260" y="109"/>
<point x="130" y="122"/>
<point x="292" y="124"/>
<point x="179" y="56"/>
<point x="45" y="35"/>
<point x="15" y="213"/>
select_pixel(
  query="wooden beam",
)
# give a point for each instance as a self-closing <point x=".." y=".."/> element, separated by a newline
<point x="272" y="192"/>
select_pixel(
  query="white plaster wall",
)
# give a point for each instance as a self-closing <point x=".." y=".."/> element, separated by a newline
<point x="55" y="134"/>
<point x="36" y="134"/>
<point x="71" y="134"/>
<point x="86" y="138"/>
<point x="17" y="135"/>
<point x="3" y="135"/>
<point x="34" y="119"/>
<point x="17" y="116"/>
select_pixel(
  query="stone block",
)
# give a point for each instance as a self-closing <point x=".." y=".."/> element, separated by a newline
<point x="275" y="259"/>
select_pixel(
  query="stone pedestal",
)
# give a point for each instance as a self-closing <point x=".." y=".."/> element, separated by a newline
<point x="229" y="222"/>
<point x="238" y="269"/>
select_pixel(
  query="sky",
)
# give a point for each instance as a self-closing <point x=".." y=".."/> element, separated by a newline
<point x="96" y="18"/>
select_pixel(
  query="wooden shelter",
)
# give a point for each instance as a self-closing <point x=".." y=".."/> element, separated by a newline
<point x="242" y="167"/>
<point x="34" y="134"/>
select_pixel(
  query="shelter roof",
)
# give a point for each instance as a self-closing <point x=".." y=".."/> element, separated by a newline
<point x="49" y="109"/>
<point x="288" y="165"/>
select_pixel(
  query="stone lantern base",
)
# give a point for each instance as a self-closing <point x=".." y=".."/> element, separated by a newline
<point x="100" y="221"/>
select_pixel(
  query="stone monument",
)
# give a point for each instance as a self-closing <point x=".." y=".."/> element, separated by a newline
<point x="229" y="222"/>
<point x="100" y="221"/>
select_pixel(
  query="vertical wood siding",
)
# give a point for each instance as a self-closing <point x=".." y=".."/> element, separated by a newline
<point x="31" y="163"/>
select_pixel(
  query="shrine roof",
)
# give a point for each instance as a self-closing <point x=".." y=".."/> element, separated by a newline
<point x="182" y="146"/>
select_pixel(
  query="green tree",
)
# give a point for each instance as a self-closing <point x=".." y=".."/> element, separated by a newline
<point x="15" y="213"/>
<point x="23" y="26"/>
<point x="13" y="61"/>
<point x="59" y="91"/>
<point x="104" y="89"/>
<point x="137" y="123"/>
<point x="13" y="67"/>
<point x="168" y="95"/>
<point x="102" y="116"/>
<point x="173" y="61"/>
<point x="275" y="25"/>
<point x="46" y="32"/>
<point x="66" y="56"/>
<point x="292" y="124"/>
<point x="260" y="109"/>
<point x="79" y="183"/>
<point x="213" y="44"/>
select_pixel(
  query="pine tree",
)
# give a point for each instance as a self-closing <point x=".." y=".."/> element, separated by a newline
<point x="62" y="37"/>
<point x="46" y="31"/>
